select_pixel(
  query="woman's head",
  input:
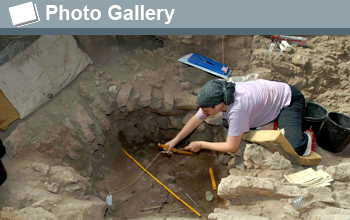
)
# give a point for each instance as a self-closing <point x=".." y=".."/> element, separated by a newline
<point x="215" y="92"/>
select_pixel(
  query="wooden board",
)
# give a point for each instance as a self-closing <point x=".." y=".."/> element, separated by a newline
<point x="275" y="141"/>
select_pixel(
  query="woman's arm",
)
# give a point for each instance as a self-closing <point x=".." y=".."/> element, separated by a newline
<point x="231" y="145"/>
<point x="192" y="124"/>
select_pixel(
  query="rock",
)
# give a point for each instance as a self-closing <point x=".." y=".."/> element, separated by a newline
<point x="226" y="214"/>
<point x="53" y="187"/>
<point x="168" y="100"/>
<point x="69" y="179"/>
<point x="85" y="122"/>
<point x="69" y="142"/>
<point x="224" y="158"/>
<point x="175" y="122"/>
<point x="186" y="41"/>
<point x="107" y="77"/>
<point x="155" y="78"/>
<point x="92" y="148"/>
<point x="132" y="101"/>
<point x="231" y="163"/>
<point x="163" y="122"/>
<point x="106" y="124"/>
<point x="100" y="73"/>
<point x="185" y="85"/>
<point x="236" y="186"/>
<point x="83" y="91"/>
<point x="343" y="199"/>
<point x="18" y="138"/>
<point x="261" y="42"/>
<point x="340" y="172"/>
<point x="340" y="186"/>
<point x="92" y="209"/>
<point x="157" y="98"/>
<point x="185" y="101"/>
<point x="102" y="102"/>
<point x="41" y="168"/>
<point x="75" y="187"/>
<point x="9" y="213"/>
<point x="124" y="94"/>
<point x="146" y="97"/>
<point x="329" y="213"/>
<point x="241" y="167"/>
<point x="47" y="202"/>
<point x="135" y="65"/>
<point x="279" y="162"/>
<point x="233" y="186"/>
<point x="256" y="156"/>
<point x="299" y="60"/>
<point x="102" y="119"/>
<point x="65" y="175"/>
<point x="322" y="194"/>
<point x="237" y="172"/>
<point x="113" y="90"/>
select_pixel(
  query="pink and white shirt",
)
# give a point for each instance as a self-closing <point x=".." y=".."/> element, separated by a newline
<point x="256" y="103"/>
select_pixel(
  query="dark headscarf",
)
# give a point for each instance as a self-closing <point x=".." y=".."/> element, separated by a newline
<point x="214" y="92"/>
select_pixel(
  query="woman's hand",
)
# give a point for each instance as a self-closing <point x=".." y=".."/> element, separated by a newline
<point x="170" y="145"/>
<point x="194" y="146"/>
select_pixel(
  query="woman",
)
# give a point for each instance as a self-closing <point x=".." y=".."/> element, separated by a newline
<point x="247" y="105"/>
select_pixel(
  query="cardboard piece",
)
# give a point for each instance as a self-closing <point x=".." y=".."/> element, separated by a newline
<point x="275" y="141"/>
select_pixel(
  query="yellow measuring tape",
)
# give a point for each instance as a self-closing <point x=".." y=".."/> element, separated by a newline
<point x="161" y="183"/>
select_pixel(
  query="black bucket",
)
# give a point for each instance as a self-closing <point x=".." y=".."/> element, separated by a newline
<point x="334" y="135"/>
<point x="3" y="173"/>
<point x="315" y="115"/>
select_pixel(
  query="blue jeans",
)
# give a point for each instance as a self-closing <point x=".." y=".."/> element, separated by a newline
<point x="291" y="119"/>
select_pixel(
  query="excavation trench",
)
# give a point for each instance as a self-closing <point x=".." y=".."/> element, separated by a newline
<point x="116" y="174"/>
<point x="85" y="125"/>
